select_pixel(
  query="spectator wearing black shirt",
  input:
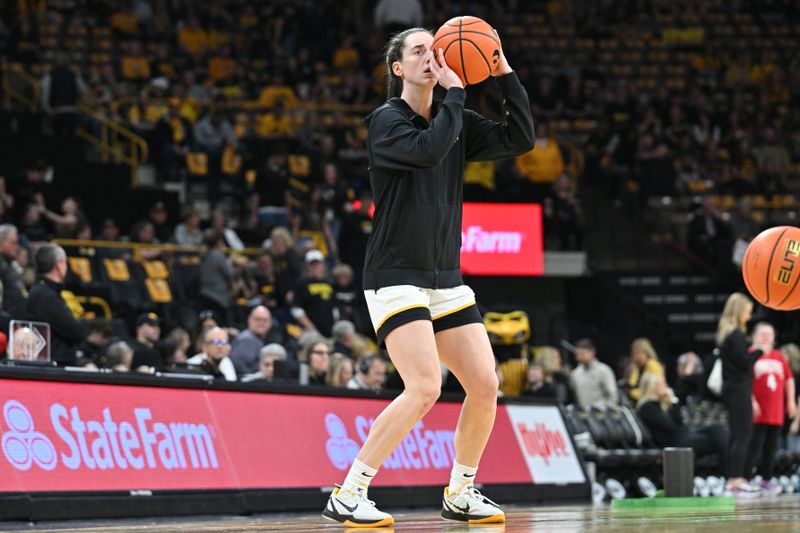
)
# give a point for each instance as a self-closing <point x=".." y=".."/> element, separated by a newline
<point x="264" y="276"/>
<point x="159" y="219"/>
<point x="148" y="332"/>
<point x="562" y="213"/>
<point x="354" y="233"/>
<point x="285" y="262"/>
<point x="691" y="378"/>
<point x="33" y="226"/>
<point x="536" y="385"/>
<point x="14" y="294"/>
<point x="216" y="278"/>
<point x="94" y="345"/>
<point x="313" y="305"/>
<point x="658" y="409"/>
<point x="317" y="355"/>
<point x="172" y="138"/>
<point x="709" y="236"/>
<point x="349" y="298"/>
<point x="46" y="305"/>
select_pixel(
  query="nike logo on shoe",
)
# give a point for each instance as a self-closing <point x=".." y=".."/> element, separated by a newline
<point x="464" y="509"/>
<point x="365" y="474"/>
<point x="469" y="475"/>
<point x="351" y="509"/>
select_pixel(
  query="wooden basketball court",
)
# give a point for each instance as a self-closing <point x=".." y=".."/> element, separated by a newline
<point x="780" y="513"/>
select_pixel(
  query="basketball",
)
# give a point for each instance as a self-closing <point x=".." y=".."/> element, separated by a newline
<point x="471" y="48"/>
<point x="770" y="268"/>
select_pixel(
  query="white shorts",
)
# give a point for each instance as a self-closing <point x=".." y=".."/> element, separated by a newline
<point x="391" y="307"/>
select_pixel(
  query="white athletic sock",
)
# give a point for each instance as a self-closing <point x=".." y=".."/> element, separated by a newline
<point x="461" y="476"/>
<point x="359" y="476"/>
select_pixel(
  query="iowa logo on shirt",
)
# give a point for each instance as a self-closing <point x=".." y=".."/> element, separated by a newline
<point x="323" y="290"/>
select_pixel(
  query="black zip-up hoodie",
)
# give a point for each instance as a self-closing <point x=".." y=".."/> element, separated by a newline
<point x="417" y="175"/>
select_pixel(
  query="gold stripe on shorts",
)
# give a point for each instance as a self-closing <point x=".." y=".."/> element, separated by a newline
<point x="390" y="315"/>
<point x="456" y="310"/>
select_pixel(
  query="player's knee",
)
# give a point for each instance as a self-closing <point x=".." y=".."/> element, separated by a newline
<point x="484" y="386"/>
<point x="426" y="394"/>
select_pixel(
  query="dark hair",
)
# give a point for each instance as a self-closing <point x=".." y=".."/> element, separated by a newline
<point x="585" y="344"/>
<point x="47" y="256"/>
<point x="394" y="52"/>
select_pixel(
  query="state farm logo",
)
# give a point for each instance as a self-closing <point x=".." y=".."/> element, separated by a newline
<point x="422" y="448"/>
<point x="22" y="444"/>
<point x="107" y="442"/>
<point x="476" y="240"/>
<point x="542" y="442"/>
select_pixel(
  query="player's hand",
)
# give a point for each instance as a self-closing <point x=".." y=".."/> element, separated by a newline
<point x="503" y="67"/>
<point x="443" y="74"/>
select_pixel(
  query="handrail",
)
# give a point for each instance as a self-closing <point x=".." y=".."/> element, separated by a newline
<point x="11" y="93"/>
<point x="134" y="153"/>
<point x="174" y="248"/>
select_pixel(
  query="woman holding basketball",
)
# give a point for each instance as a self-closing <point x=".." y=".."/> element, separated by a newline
<point x="420" y="308"/>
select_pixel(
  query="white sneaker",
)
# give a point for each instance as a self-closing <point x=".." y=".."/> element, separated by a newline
<point x="469" y="505"/>
<point x="352" y="508"/>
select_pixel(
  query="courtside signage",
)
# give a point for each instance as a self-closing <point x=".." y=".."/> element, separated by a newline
<point x="502" y="240"/>
<point x="89" y="437"/>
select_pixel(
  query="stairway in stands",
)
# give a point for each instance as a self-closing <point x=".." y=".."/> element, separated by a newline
<point x="689" y="303"/>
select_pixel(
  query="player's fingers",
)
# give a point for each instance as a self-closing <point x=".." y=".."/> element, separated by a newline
<point x="442" y="62"/>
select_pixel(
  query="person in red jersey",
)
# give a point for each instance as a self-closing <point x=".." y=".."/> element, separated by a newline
<point x="773" y="395"/>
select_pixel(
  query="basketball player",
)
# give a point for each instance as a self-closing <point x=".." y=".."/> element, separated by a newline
<point x="421" y="310"/>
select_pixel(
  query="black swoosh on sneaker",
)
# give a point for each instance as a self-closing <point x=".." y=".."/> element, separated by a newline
<point x="351" y="509"/>
<point x="365" y="474"/>
<point x="464" y="510"/>
<point x="469" y="475"/>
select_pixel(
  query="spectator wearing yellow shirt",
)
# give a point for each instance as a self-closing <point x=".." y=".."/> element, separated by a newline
<point x="222" y="66"/>
<point x="193" y="38"/>
<point x="134" y="65"/>
<point x="644" y="361"/>
<point x="125" y="21"/>
<point x="143" y="115"/>
<point x="277" y="92"/>
<point x="346" y="56"/>
<point x="544" y="164"/>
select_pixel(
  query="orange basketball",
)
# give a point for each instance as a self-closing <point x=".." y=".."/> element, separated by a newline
<point x="771" y="268"/>
<point x="471" y="48"/>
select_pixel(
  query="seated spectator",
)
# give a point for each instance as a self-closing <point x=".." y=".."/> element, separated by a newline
<point x="46" y="305"/>
<point x="341" y="370"/>
<point x="316" y="355"/>
<point x="344" y="338"/>
<point x="214" y="359"/>
<point x="148" y="332"/>
<point x="370" y="373"/>
<point x="66" y="224"/>
<point x="266" y="283"/>
<point x="180" y="339"/>
<point x="562" y="214"/>
<point x="94" y="345"/>
<point x="212" y="133"/>
<point x="159" y="219"/>
<point x="220" y="224"/>
<point x="216" y="278"/>
<point x="119" y="357"/>
<point x="33" y="226"/>
<point x="313" y="305"/>
<point x="593" y="382"/>
<point x="555" y="373"/>
<point x="691" y="378"/>
<point x="285" y="261"/>
<point x="536" y="385"/>
<point x="645" y="361"/>
<point x="658" y="409"/>
<point x="188" y="232"/>
<point x="349" y="298"/>
<point x="266" y="366"/>
<point x="14" y="294"/>
<point x="709" y="236"/>
<point x="247" y="345"/>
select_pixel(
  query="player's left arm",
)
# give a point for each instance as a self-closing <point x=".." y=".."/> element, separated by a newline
<point x="486" y="139"/>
